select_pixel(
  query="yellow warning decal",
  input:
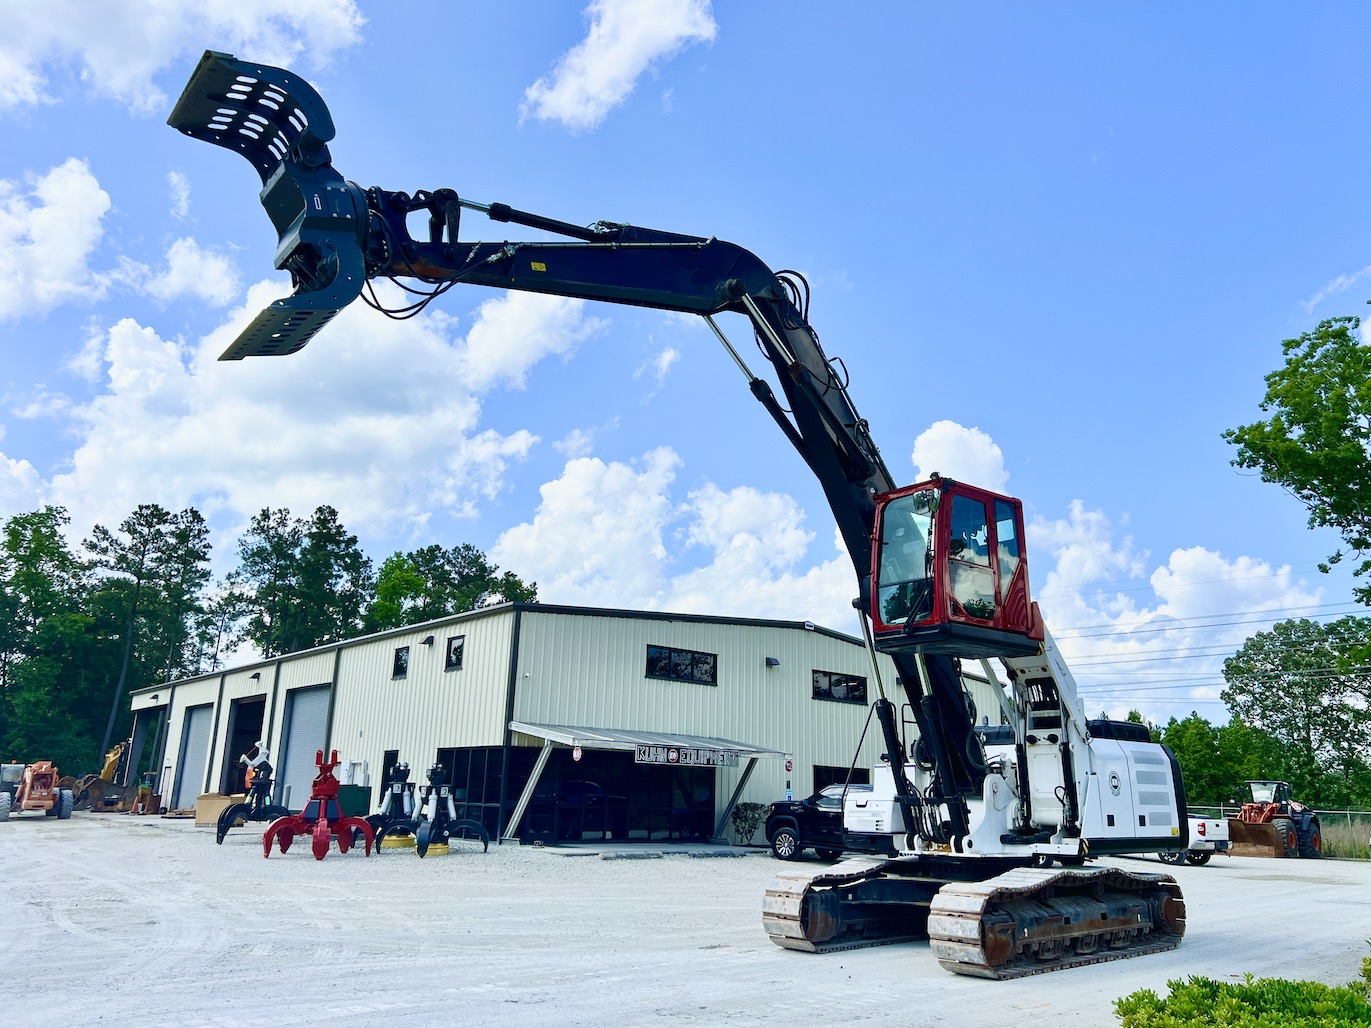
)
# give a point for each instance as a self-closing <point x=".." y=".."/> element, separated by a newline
<point x="1175" y="831"/>
<point x="537" y="266"/>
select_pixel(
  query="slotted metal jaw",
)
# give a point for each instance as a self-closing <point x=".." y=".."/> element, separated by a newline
<point x="282" y="126"/>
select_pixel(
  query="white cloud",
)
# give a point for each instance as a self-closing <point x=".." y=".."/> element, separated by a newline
<point x="375" y="416"/>
<point x="1338" y="285"/>
<point x="21" y="487"/>
<point x="1154" y="641"/>
<point x="601" y="537"/>
<point x="965" y="454"/>
<point x="49" y="227"/>
<point x="179" y="187"/>
<point x="658" y="365"/>
<point x="515" y="331"/>
<point x="626" y="37"/>
<point x="119" y="51"/>
<point x="597" y="537"/>
<point x="579" y="442"/>
<point x="189" y="271"/>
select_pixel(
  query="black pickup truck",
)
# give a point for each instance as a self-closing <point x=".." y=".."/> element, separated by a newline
<point x="816" y="822"/>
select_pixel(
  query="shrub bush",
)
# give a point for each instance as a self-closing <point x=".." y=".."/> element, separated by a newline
<point x="1253" y="1003"/>
<point x="747" y="818"/>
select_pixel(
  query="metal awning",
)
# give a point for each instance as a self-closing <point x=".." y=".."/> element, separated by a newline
<point x="630" y="740"/>
<point x="625" y="739"/>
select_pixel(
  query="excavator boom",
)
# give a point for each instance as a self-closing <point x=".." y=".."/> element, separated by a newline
<point x="966" y="595"/>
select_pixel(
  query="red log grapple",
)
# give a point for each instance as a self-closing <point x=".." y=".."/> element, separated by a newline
<point x="322" y="818"/>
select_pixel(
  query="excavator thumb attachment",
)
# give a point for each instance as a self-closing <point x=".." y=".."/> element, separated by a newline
<point x="279" y="123"/>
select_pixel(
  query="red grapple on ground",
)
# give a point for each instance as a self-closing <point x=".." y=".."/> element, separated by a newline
<point x="322" y="818"/>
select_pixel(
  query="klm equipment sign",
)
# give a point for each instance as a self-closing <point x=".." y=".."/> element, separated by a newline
<point x="648" y="754"/>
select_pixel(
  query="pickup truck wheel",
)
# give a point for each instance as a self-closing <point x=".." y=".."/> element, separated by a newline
<point x="1198" y="859"/>
<point x="829" y="855"/>
<point x="1172" y="857"/>
<point x="785" y="844"/>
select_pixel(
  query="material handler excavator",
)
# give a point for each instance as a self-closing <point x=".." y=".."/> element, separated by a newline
<point x="965" y="818"/>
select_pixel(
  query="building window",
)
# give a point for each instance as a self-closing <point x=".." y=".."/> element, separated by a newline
<point x="400" y="669"/>
<point x="826" y="775"/>
<point x="682" y="665"/>
<point x="455" y="645"/>
<point x="829" y="685"/>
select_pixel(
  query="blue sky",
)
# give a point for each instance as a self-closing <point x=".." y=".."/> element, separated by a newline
<point x="1056" y="246"/>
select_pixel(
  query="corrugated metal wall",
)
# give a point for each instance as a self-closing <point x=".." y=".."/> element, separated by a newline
<point x="585" y="668"/>
<point x="590" y="670"/>
<point x="190" y="693"/>
<point x="430" y="707"/>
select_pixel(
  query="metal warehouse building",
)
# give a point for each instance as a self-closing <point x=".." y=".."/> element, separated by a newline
<point x="552" y="722"/>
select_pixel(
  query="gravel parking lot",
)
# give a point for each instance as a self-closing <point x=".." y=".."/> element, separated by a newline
<point x="112" y="919"/>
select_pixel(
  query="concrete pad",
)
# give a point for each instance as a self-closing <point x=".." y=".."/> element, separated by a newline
<point x="145" y="921"/>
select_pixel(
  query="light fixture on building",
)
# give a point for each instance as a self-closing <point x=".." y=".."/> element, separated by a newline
<point x="257" y="675"/>
<point x="426" y="641"/>
<point x="772" y="662"/>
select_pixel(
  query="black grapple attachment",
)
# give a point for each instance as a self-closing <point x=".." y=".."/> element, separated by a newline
<point x="278" y="122"/>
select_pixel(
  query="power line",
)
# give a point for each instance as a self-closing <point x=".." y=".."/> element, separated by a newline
<point x="1179" y="624"/>
<point x="1186" y="581"/>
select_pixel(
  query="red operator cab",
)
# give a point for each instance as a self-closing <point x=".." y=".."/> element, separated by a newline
<point x="949" y="573"/>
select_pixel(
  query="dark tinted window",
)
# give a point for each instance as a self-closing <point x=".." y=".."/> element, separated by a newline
<point x="830" y="685"/>
<point x="682" y="665"/>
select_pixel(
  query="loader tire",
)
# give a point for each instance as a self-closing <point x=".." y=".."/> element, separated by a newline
<point x="65" y="802"/>
<point x="1287" y="839"/>
<point x="5" y="801"/>
<point x="1311" y="842"/>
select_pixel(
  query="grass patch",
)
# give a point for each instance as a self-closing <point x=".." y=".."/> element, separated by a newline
<point x="1349" y="841"/>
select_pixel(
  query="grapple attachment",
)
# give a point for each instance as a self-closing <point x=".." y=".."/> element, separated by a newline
<point x="279" y="123"/>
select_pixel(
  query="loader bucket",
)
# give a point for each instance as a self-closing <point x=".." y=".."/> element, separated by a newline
<point x="281" y="125"/>
<point x="1249" y="840"/>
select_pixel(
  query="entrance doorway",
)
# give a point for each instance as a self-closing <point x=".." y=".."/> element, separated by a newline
<point x="606" y="796"/>
<point x="245" y="720"/>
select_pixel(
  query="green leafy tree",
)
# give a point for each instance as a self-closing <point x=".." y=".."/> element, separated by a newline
<point x="1299" y="684"/>
<point x="269" y="568"/>
<point x="155" y="565"/>
<point x="219" y="623"/>
<point x="1246" y="753"/>
<point x="185" y="574"/>
<point x="307" y="582"/>
<point x="1317" y="441"/>
<point x="334" y="585"/>
<point x="1195" y="742"/>
<point x="52" y="665"/>
<point x="434" y="582"/>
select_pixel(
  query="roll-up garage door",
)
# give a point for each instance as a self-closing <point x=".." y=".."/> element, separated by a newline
<point x="306" y="723"/>
<point x="190" y="764"/>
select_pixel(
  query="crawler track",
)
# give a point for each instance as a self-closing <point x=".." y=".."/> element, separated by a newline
<point x="1029" y="921"/>
<point x="1018" y="922"/>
